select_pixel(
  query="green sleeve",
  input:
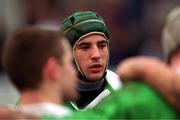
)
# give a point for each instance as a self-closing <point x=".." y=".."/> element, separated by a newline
<point x="85" y="115"/>
<point x="44" y="117"/>
<point x="136" y="100"/>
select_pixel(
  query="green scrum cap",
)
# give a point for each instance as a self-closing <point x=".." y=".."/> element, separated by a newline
<point x="81" y="24"/>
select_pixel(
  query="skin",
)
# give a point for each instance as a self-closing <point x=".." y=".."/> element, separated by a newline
<point x="175" y="60"/>
<point x="68" y="74"/>
<point x="91" y="54"/>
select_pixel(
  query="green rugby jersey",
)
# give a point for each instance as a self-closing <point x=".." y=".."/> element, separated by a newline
<point x="136" y="100"/>
<point x="112" y="83"/>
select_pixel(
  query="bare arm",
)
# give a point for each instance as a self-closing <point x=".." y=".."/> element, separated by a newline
<point x="154" y="72"/>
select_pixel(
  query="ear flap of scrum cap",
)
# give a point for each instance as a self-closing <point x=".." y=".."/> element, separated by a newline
<point x="81" y="23"/>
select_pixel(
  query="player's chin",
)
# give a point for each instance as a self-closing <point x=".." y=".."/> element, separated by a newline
<point x="95" y="77"/>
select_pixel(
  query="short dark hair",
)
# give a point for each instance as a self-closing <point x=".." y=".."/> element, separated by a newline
<point x="27" y="51"/>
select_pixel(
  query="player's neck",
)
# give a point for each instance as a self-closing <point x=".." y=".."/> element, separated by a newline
<point x="83" y="86"/>
<point x="39" y="96"/>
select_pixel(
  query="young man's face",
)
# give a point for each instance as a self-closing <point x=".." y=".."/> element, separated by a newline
<point x="91" y="54"/>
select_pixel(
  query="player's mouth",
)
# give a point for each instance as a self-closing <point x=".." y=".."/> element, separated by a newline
<point x="95" y="68"/>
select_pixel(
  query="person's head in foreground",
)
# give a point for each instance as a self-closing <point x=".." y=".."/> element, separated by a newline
<point x="171" y="38"/>
<point x="38" y="62"/>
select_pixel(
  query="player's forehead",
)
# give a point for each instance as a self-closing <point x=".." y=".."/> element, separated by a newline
<point x="94" y="38"/>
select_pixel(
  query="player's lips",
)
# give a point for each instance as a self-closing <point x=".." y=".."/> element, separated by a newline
<point x="95" y="68"/>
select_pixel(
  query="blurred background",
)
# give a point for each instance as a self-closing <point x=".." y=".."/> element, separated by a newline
<point x="135" y="26"/>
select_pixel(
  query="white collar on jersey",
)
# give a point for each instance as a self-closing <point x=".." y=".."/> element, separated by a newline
<point x="113" y="80"/>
